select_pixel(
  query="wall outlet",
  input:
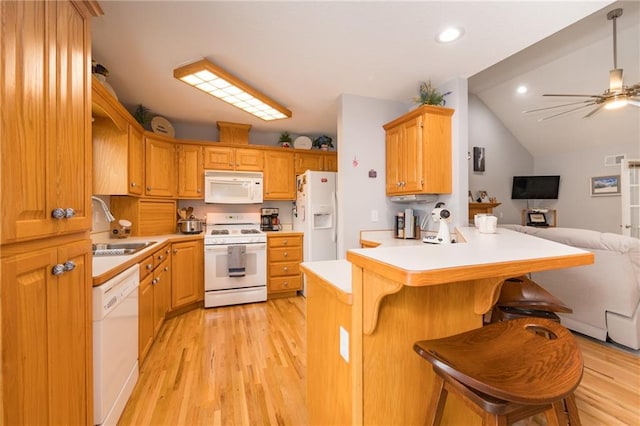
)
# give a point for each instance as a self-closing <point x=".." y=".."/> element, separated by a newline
<point x="374" y="215"/>
<point x="344" y="344"/>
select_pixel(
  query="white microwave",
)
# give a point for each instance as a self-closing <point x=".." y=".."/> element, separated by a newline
<point x="222" y="187"/>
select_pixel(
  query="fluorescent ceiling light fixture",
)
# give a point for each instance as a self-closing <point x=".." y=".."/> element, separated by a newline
<point x="450" y="34"/>
<point x="217" y="82"/>
<point x="522" y="89"/>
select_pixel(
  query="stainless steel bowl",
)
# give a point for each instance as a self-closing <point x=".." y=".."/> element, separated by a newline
<point x="190" y="226"/>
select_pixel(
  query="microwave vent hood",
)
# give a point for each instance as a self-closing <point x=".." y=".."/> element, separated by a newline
<point x="415" y="198"/>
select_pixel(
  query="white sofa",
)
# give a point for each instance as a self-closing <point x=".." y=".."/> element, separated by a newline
<point x="605" y="296"/>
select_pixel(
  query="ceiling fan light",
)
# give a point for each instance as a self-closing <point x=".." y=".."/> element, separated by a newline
<point x="616" y="102"/>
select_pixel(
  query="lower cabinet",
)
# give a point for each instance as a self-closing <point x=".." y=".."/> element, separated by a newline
<point x="284" y="254"/>
<point x="46" y="347"/>
<point x="154" y="297"/>
<point x="187" y="273"/>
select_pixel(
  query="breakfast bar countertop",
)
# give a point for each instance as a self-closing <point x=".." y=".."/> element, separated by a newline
<point x="478" y="256"/>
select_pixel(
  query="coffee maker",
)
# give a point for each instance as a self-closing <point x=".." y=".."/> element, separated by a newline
<point x="269" y="219"/>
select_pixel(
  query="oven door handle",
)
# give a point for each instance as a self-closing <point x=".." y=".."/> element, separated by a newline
<point x="222" y="248"/>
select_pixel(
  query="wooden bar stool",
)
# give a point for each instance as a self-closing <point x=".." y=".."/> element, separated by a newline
<point x="521" y="297"/>
<point x="507" y="371"/>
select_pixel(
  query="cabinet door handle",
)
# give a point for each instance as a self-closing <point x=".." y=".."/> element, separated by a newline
<point x="160" y="257"/>
<point x="155" y="280"/>
<point x="69" y="265"/>
<point x="175" y="251"/>
<point x="148" y="188"/>
<point x="69" y="213"/>
<point x="58" y="269"/>
<point x="133" y="184"/>
<point x="166" y="268"/>
<point x="58" y="213"/>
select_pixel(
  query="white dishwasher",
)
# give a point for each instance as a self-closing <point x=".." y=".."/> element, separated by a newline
<point x="115" y="345"/>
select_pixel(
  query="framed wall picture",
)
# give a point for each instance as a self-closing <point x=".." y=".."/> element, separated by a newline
<point x="605" y="185"/>
<point x="478" y="159"/>
<point x="536" y="219"/>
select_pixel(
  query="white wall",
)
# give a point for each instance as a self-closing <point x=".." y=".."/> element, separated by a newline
<point x="361" y="149"/>
<point x="575" y="205"/>
<point x="504" y="158"/>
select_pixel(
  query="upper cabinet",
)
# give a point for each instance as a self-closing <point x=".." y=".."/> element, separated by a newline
<point x="316" y="161"/>
<point x="190" y="171"/>
<point x="228" y="158"/>
<point x="160" y="171"/>
<point x="418" y="152"/>
<point x="279" y="177"/>
<point x="45" y="136"/>
<point x="118" y="146"/>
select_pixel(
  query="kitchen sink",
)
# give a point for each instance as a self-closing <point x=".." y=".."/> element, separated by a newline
<point x="119" y="249"/>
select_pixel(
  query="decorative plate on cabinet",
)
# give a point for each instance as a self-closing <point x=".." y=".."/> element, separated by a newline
<point x="302" y="142"/>
<point x="161" y="126"/>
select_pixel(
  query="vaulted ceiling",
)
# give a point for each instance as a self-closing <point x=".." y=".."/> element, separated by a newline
<point x="305" y="54"/>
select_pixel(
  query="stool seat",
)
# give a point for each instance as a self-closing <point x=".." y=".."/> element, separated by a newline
<point x="510" y="369"/>
<point x="523" y="293"/>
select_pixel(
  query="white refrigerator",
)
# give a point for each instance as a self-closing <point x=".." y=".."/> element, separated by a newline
<point x="315" y="216"/>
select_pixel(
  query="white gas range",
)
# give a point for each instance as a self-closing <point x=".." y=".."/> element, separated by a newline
<point x="235" y="261"/>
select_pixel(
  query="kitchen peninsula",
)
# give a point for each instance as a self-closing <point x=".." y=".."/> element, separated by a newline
<point x="365" y="313"/>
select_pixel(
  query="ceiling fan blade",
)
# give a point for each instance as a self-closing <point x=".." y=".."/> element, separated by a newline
<point x="570" y="95"/>
<point x="590" y="102"/>
<point x="566" y="112"/>
<point x="634" y="103"/>
<point x="593" y="111"/>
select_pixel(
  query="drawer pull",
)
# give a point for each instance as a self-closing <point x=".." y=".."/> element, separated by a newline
<point x="285" y="254"/>
<point x="149" y="267"/>
<point x="286" y="268"/>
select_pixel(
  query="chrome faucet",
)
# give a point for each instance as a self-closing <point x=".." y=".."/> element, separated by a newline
<point x="107" y="213"/>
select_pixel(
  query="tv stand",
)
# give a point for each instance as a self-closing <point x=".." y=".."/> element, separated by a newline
<point x="551" y="216"/>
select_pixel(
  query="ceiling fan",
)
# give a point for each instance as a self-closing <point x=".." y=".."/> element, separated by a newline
<point x="616" y="96"/>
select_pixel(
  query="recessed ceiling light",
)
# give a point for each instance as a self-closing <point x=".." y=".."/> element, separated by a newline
<point x="522" y="89"/>
<point x="450" y="34"/>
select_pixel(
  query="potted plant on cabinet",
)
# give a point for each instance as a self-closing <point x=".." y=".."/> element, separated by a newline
<point x="429" y="95"/>
<point x="285" y="139"/>
<point x="323" y="142"/>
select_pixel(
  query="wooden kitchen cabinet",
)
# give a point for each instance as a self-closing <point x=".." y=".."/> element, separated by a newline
<point x="284" y="254"/>
<point x="187" y="273"/>
<point x="136" y="160"/>
<point x="279" y="176"/>
<point x="418" y="152"/>
<point x="148" y="216"/>
<point x="45" y="144"/>
<point x="118" y="146"/>
<point x="46" y="334"/>
<point x="317" y="161"/>
<point x="228" y="158"/>
<point x="190" y="171"/>
<point x="160" y="170"/>
<point x="154" y="297"/>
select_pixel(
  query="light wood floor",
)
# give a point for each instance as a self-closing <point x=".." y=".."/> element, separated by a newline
<point x="246" y="365"/>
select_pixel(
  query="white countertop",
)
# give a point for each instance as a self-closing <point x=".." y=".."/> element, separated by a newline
<point x="503" y="246"/>
<point x="336" y="272"/>
<point x="413" y="255"/>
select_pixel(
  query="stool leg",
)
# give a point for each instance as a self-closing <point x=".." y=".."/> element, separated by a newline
<point x="489" y="419"/>
<point x="436" y="404"/>
<point x="572" y="410"/>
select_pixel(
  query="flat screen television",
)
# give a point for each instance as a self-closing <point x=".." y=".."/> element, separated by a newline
<point x="535" y="187"/>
